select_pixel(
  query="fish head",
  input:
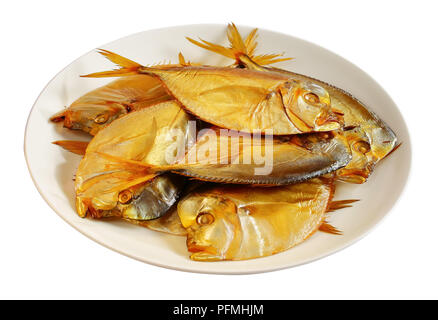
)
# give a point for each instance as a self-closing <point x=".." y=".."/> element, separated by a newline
<point x="368" y="146"/>
<point x="212" y="224"/>
<point x="308" y="106"/>
<point x="150" y="200"/>
<point x="362" y="162"/>
<point x="144" y="201"/>
<point x="89" y="117"/>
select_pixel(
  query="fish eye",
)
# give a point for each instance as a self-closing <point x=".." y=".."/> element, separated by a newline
<point x="311" y="98"/>
<point x="362" y="146"/>
<point x="125" y="196"/>
<point x="204" y="218"/>
<point x="101" y="118"/>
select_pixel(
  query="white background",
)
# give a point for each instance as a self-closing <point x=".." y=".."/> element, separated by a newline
<point x="394" y="41"/>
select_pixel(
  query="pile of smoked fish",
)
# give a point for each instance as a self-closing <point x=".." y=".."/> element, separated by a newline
<point x="229" y="205"/>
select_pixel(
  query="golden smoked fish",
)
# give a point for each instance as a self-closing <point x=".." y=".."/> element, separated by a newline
<point x="154" y="198"/>
<point x="242" y="222"/>
<point x="369" y="137"/>
<point x="99" y="107"/>
<point x="104" y="186"/>
<point x="246" y="159"/>
<point x="240" y="99"/>
<point x="217" y="157"/>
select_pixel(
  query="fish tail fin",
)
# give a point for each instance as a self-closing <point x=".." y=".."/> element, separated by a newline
<point x="77" y="147"/>
<point x="216" y="48"/>
<point x="236" y="42"/>
<point x="127" y="67"/>
<point x="237" y="47"/>
<point x="240" y="48"/>
<point x="340" y="204"/>
<point x="328" y="228"/>
<point x="59" y="116"/>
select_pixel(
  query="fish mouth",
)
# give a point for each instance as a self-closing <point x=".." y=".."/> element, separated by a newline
<point x="203" y="256"/>
<point x="194" y="247"/>
<point x="328" y="119"/>
<point x="354" y="175"/>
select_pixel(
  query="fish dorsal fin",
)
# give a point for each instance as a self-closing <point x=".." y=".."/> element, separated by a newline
<point x="59" y="116"/>
<point x="182" y="60"/>
<point x="186" y="63"/>
<point x="77" y="147"/>
<point x="328" y="228"/>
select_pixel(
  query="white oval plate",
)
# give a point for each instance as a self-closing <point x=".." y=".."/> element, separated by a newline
<point x="53" y="169"/>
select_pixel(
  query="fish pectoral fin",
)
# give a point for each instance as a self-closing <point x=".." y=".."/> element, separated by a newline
<point x="77" y="147"/>
<point x="340" y="204"/>
<point x="328" y="228"/>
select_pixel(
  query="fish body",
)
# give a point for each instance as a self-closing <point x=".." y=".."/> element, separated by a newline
<point x="241" y="99"/>
<point x="134" y="149"/>
<point x="99" y="107"/>
<point x="102" y="183"/>
<point x="242" y="222"/>
<point x="146" y="201"/>
<point x="369" y="137"/>
<point x="246" y="159"/>
<point x="150" y="202"/>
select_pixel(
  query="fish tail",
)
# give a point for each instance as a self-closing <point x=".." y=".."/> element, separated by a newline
<point x="236" y="42"/>
<point x="328" y="228"/>
<point x="224" y="51"/>
<point x="77" y="147"/>
<point x="127" y="67"/>
<point x="240" y="48"/>
<point x="340" y="204"/>
<point x="59" y="116"/>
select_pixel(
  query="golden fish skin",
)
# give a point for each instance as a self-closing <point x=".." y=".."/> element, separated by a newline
<point x="102" y="182"/>
<point x="293" y="158"/>
<point x="369" y="137"/>
<point x="147" y="203"/>
<point x="99" y="107"/>
<point x="150" y="201"/>
<point x="219" y="155"/>
<point x="241" y="222"/>
<point x="239" y="99"/>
